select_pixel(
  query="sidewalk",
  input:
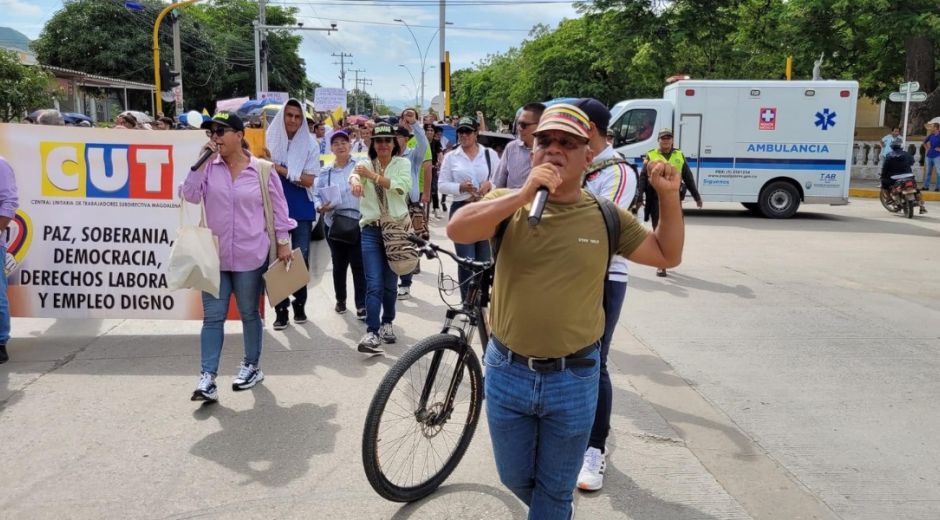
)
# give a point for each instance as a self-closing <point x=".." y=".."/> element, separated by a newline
<point x="871" y="189"/>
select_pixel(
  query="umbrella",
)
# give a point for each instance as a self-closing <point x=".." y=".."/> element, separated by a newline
<point x="450" y="133"/>
<point x="250" y="106"/>
<point x="139" y="116"/>
<point x="73" y="118"/>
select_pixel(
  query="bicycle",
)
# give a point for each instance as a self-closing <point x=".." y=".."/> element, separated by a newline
<point x="425" y="411"/>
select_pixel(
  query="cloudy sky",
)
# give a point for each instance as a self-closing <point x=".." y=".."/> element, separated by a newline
<point x="378" y="44"/>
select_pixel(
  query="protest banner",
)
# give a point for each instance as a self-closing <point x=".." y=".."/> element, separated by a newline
<point x="329" y="99"/>
<point x="230" y="105"/>
<point x="98" y="214"/>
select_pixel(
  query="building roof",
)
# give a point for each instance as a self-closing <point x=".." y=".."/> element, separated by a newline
<point x="93" y="80"/>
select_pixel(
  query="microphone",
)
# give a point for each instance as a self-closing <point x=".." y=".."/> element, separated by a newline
<point x="202" y="159"/>
<point x="538" y="206"/>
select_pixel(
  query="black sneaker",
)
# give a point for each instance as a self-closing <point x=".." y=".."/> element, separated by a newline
<point x="361" y="314"/>
<point x="300" y="316"/>
<point x="280" y="323"/>
<point x="387" y="333"/>
<point x="340" y="308"/>
<point x="659" y="272"/>
<point x="4" y="357"/>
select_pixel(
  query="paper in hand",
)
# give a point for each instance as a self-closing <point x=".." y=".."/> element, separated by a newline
<point x="330" y="195"/>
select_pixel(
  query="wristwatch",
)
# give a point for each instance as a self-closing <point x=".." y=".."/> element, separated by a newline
<point x="283" y="242"/>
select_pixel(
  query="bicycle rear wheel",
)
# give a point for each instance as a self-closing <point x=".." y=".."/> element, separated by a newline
<point x="411" y="444"/>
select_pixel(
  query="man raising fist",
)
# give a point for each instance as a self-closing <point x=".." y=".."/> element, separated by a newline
<point x="542" y="362"/>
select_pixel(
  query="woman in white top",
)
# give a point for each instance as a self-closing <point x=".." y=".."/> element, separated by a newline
<point x="466" y="175"/>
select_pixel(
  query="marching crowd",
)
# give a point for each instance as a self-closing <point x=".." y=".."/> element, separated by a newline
<point x="557" y="295"/>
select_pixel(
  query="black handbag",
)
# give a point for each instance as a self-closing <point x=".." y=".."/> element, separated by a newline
<point x="345" y="229"/>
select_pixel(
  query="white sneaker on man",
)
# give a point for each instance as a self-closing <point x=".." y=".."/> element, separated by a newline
<point x="404" y="293"/>
<point x="591" y="477"/>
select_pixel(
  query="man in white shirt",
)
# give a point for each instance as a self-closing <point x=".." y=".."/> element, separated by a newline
<point x="887" y="140"/>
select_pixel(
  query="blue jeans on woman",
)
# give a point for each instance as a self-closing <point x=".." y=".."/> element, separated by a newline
<point x="614" y="294"/>
<point x="479" y="251"/>
<point x="381" y="281"/>
<point x="247" y="288"/>
<point x="539" y="425"/>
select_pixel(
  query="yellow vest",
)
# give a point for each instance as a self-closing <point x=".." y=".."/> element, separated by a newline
<point x="675" y="158"/>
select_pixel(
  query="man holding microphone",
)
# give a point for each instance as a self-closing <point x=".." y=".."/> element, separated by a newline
<point x="542" y="362"/>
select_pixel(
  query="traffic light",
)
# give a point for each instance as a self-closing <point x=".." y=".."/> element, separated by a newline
<point x="168" y="79"/>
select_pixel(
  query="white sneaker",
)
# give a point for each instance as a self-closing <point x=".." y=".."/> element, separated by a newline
<point x="248" y="376"/>
<point x="404" y="293"/>
<point x="591" y="477"/>
<point x="370" y="344"/>
<point x="387" y="333"/>
<point x="205" y="389"/>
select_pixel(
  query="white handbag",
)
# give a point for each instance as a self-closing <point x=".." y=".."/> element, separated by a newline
<point x="194" y="258"/>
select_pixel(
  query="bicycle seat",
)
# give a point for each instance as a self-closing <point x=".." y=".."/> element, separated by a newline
<point x="902" y="176"/>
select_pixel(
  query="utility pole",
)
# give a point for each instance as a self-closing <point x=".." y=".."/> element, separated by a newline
<point x="178" y="64"/>
<point x="263" y="45"/>
<point x="342" y="66"/>
<point x="355" y="88"/>
<point x="367" y="82"/>
<point x="261" y="60"/>
<point x="445" y="68"/>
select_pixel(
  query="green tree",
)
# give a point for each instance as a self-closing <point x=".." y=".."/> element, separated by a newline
<point x="107" y="39"/>
<point x="22" y="87"/>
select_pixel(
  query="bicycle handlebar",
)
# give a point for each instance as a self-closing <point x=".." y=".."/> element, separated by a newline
<point x="430" y="249"/>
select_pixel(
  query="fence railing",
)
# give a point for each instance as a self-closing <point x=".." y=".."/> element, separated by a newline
<point x="867" y="159"/>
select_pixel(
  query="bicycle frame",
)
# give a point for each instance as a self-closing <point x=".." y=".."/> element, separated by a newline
<point x="472" y="309"/>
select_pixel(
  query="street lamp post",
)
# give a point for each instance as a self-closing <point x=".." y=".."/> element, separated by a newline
<point x="423" y="56"/>
<point x="156" y="50"/>
<point x="413" y="81"/>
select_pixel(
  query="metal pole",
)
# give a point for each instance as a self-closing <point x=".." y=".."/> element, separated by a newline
<point x="156" y="47"/>
<point x="907" y="104"/>
<point x="178" y="63"/>
<point x="262" y="20"/>
<point x="257" y="60"/>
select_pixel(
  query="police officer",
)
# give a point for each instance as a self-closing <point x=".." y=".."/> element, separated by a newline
<point x="648" y="196"/>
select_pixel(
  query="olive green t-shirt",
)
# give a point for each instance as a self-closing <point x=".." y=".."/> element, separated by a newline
<point x="549" y="284"/>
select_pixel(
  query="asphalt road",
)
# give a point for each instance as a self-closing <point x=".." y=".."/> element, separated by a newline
<point x="785" y="370"/>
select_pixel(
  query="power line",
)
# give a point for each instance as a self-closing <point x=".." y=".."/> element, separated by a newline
<point x="342" y="66"/>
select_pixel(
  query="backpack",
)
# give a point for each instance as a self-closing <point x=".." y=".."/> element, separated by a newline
<point x="608" y="210"/>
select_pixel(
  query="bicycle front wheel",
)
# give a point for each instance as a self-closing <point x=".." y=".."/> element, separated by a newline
<point x="422" y="418"/>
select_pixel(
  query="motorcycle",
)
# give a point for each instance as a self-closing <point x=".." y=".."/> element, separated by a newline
<point x="902" y="196"/>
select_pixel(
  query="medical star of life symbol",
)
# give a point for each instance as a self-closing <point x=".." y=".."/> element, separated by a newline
<point x="825" y="119"/>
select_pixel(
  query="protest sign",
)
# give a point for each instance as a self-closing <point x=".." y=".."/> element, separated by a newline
<point x="278" y="98"/>
<point x="98" y="214"/>
<point x="329" y="99"/>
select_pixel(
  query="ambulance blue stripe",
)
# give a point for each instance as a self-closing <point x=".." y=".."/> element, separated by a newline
<point x="770" y="164"/>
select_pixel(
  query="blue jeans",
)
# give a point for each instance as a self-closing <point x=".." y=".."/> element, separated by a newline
<point x="4" y="308"/>
<point x="479" y="251"/>
<point x="299" y="237"/>
<point x="931" y="165"/>
<point x="381" y="281"/>
<point x="539" y="424"/>
<point x="247" y="288"/>
<point x="614" y="294"/>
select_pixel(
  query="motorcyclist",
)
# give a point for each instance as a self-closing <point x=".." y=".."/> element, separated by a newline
<point x="899" y="162"/>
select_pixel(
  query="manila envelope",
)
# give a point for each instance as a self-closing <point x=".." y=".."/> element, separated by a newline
<point x="281" y="282"/>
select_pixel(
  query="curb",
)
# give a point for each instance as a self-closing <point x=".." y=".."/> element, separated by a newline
<point x="872" y="193"/>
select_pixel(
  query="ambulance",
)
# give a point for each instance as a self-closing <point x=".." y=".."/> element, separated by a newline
<point x="770" y="145"/>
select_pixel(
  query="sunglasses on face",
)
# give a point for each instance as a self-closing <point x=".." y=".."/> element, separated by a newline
<point x="567" y="143"/>
<point x="523" y="125"/>
<point x="666" y="138"/>
<point x="218" y="131"/>
<point x="382" y="140"/>
<point x="464" y="131"/>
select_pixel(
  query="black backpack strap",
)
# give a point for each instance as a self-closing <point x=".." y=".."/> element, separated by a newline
<point x="489" y="166"/>
<point x="497" y="239"/>
<point x="611" y="215"/>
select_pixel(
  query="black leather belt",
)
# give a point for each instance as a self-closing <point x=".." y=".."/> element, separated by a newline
<point x="578" y="359"/>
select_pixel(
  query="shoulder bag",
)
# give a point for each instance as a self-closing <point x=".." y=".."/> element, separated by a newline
<point x="401" y="254"/>
<point x="345" y="228"/>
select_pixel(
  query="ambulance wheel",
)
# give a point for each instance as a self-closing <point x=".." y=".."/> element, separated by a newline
<point x="779" y="200"/>
<point x="753" y="207"/>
